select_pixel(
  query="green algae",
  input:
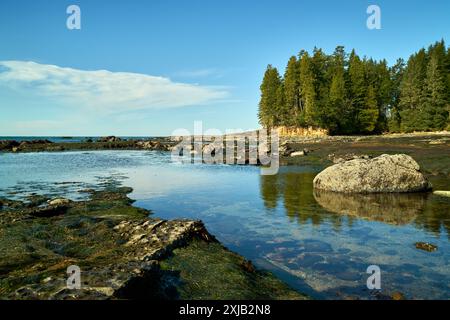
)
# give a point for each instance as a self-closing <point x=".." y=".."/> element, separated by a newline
<point x="99" y="234"/>
<point x="208" y="271"/>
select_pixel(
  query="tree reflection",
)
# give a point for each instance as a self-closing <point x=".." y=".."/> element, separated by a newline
<point x="294" y="191"/>
<point x="269" y="190"/>
<point x="398" y="209"/>
<point x="436" y="215"/>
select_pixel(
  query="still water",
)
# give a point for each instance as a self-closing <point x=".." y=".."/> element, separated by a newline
<point x="319" y="243"/>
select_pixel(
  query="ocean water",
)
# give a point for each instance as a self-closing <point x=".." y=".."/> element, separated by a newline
<point x="63" y="139"/>
<point x="319" y="243"/>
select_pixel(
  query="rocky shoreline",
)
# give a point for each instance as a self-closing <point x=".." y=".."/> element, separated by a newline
<point x="106" y="143"/>
<point x="125" y="254"/>
<point x="122" y="253"/>
<point x="290" y="146"/>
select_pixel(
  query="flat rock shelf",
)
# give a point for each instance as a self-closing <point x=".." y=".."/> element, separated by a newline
<point x="122" y="254"/>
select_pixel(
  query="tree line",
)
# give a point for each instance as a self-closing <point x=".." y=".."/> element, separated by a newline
<point x="347" y="94"/>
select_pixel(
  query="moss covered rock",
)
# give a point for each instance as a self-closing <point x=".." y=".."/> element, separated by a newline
<point x="122" y="253"/>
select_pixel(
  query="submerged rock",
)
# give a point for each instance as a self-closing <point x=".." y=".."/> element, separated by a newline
<point x="426" y="246"/>
<point x="386" y="173"/>
<point x="398" y="296"/>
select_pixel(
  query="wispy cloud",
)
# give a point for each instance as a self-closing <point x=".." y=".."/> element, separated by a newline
<point x="105" y="90"/>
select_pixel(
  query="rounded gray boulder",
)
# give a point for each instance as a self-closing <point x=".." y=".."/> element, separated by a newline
<point x="386" y="173"/>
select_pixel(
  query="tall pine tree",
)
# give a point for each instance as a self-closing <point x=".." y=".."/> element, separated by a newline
<point x="411" y="97"/>
<point x="435" y="106"/>
<point x="336" y="105"/>
<point x="396" y="75"/>
<point x="358" y="89"/>
<point x="268" y="105"/>
<point x="308" y="92"/>
<point x="368" y="116"/>
<point x="292" y="94"/>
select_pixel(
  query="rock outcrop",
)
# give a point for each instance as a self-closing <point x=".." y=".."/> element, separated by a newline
<point x="386" y="173"/>
<point x="153" y="145"/>
<point x="287" y="149"/>
<point x="58" y="202"/>
<point x="14" y="146"/>
<point x="110" y="139"/>
<point x="121" y="253"/>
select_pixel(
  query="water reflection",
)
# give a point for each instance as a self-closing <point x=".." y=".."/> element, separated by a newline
<point x="305" y="205"/>
<point x="320" y="244"/>
<point x="270" y="190"/>
<point x="397" y="209"/>
<point x="435" y="216"/>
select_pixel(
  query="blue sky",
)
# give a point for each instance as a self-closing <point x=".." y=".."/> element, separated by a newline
<point x="167" y="63"/>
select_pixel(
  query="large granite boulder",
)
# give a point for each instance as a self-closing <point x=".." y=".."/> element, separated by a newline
<point x="386" y="173"/>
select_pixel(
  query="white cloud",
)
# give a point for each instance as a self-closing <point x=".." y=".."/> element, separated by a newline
<point x="105" y="90"/>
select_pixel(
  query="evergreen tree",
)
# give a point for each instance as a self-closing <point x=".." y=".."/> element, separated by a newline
<point x="435" y="109"/>
<point x="411" y="97"/>
<point x="280" y="106"/>
<point x="308" y="93"/>
<point x="358" y="89"/>
<point x="267" y="113"/>
<point x="383" y="90"/>
<point x="368" y="116"/>
<point x="396" y="75"/>
<point x="447" y="72"/>
<point x="336" y="102"/>
<point x="320" y="64"/>
<point x="350" y="95"/>
<point x="292" y="92"/>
